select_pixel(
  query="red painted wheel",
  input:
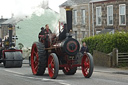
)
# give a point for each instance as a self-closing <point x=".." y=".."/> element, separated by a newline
<point x="38" y="58"/>
<point x="53" y="66"/>
<point x="68" y="71"/>
<point x="87" y="65"/>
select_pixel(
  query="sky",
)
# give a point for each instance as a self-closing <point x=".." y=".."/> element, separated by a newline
<point x="25" y="7"/>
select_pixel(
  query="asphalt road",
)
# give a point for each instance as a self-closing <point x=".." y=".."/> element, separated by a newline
<point x="24" y="76"/>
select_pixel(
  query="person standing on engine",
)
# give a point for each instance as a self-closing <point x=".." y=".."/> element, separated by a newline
<point x="44" y="34"/>
<point x="84" y="48"/>
<point x="47" y="30"/>
<point x="41" y="33"/>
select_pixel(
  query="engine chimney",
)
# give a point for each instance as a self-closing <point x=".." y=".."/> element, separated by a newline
<point x="10" y="27"/>
<point x="69" y="18"/>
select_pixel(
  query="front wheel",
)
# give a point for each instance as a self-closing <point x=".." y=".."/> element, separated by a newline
<point x="53" y="66"/>
<point x="87" y="65"/>
<point x="69" y="71"/>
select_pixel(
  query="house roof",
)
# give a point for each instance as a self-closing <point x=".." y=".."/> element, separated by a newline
<point x="2" y="20"/>
<point x="12" y="21"/>
<point x="101" y="1"/>
<point x="98" y="0"/>
<point x="73" y="2"/>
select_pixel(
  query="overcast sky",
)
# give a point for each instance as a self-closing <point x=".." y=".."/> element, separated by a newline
<point x="25" y="7"/>
<point x="21" y="7"/>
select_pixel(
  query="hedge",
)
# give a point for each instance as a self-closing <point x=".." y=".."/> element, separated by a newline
<point x="106" y="42"/>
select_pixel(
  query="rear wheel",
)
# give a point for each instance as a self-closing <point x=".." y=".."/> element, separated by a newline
<point x="68" y="71"/>
<point x="87" y="65"/>
<point x="53" y="66"/>
<point x="38" y="58"/>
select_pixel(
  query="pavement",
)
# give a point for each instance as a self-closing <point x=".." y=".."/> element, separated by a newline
<point x="123" y="71"/>
<point x="101" y="69"/>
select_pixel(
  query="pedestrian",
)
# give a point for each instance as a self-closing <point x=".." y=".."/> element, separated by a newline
<point x="84" y="48"/>
<point x="0" y="48"/>
<point x="0" y="42"/>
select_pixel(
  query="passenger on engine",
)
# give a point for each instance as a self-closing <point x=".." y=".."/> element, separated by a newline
<point x="41" y="33"/>
<point x="44" y="32"/>
<point x="44" y="35"/>
<point x="47" y="30"/>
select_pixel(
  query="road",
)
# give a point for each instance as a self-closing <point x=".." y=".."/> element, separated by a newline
<point x="24" y="76"/>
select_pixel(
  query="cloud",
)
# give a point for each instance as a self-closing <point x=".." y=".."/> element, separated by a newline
<point x="21" y="7"/>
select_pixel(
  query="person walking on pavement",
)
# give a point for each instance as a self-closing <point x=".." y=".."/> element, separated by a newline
<point x="84" y="48"/>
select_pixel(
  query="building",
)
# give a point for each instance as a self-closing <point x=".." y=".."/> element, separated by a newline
<point x="5" y="24"/>
<point x="80" y="19"/>
<point x="1" y="31"/>
<point x="109" y="14"/>
<point x="91" y="17"/>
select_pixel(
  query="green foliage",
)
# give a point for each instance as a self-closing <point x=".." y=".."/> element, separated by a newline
<point x="106" y="42"/>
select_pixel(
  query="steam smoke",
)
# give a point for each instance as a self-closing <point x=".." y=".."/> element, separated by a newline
<point x="20" y="8"/>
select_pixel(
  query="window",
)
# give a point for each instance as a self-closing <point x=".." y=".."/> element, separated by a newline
<point x="110" y="15"/>
<point x="75" y="34"/>
<point x="75" y="17"/>
<point x="98" y="16"/>
<point x="83" y="34"/>
<point x="122" y="14"/>
<point x="83" y="16"/>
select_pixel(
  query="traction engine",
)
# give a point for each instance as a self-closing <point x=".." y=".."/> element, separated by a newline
<point x="9" y="55"/>
<point x="61" y="53"/>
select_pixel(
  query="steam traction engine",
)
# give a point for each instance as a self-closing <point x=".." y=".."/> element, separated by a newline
<point x="9" y="55"/>
<point x="61" y="53"/>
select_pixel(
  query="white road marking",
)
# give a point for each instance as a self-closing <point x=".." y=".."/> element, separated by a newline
<point x="13" y="72"/>
<point x="43" y="79"/>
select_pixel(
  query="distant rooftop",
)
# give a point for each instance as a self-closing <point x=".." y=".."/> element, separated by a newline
<point x="12" y="21"/>
<point x="97" y="0"/>
<point x="73" y="2"/>
<point x="2" y="20"/>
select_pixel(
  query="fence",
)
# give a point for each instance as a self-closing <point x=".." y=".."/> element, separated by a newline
<point x="122" y="58"/>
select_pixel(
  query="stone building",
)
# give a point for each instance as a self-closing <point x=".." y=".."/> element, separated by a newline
<point x="109" y="14"/>
<point x="1" y="30"/>
<point x="91" y="17"/>
<point x="80" y="19"/>
<point x="5" y="24"/>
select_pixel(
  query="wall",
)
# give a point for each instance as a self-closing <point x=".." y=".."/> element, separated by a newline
<point x="101" y="59"/>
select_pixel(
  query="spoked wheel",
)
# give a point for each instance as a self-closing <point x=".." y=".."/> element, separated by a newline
<point x="53" y="66"/>
<point x="87" y="65"/>
<point x="68" y="71"/>
<point x="38" y="59"/>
